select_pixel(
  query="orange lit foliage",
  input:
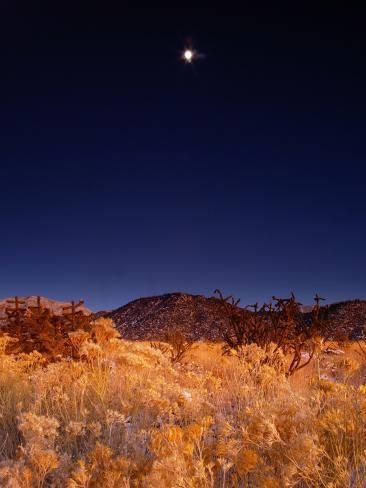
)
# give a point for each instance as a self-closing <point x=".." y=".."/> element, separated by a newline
<point x="36" y="328"/>
<point x="126" y="416"/>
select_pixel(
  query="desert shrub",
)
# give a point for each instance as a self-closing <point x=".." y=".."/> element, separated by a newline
<point x="37" y="328"/>
<point x="176" y="345"/>
<point x="288" y="336"/>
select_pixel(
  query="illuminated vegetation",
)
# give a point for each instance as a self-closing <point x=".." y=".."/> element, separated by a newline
<point x="125" y="415"/>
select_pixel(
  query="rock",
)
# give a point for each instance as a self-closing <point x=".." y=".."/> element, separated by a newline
<point x="331" y="350"/>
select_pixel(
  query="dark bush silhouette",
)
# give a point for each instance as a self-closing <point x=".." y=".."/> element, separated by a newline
<point x="37" y="328"/>
<point x="175" y="345"/>
<point x="278" y="327"/>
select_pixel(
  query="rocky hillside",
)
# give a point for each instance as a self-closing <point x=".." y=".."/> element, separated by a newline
<point x="149" y="318"/>
<point x="349" y="317"/>
<point x="200" y="317"/>
<point x="204" y="318"/>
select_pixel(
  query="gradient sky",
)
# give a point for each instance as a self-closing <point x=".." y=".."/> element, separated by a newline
<point x="126" y="173"/>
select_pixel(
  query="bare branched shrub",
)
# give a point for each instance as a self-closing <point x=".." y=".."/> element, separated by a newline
<point x="175" y="345"/>
<point x="37" y="328"/>
<point x="361" y="341"/>
<point x="361" y="345"/>
<point x="279" y="328"/>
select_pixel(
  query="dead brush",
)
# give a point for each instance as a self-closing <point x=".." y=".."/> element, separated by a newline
<point x="279" y="328"/>
<point x="175" y="345"/>
<point x="361" y="343"/>
<point x="37" y="328"/>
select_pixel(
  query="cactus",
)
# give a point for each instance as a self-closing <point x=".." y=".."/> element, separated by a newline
<point x="278" y="327"/>
<point x="16" y="313"/>
<point x="38" y="328"/>
<point x="74" y="317"/>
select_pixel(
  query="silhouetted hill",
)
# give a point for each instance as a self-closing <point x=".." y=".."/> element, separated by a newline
<point x="204" y="318"/>
<point x="349" y="317"/>
<point x="149" y="318"/>
<point x="200" y="317"/>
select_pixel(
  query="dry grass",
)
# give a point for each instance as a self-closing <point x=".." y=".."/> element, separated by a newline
<point x="124" y="416"/>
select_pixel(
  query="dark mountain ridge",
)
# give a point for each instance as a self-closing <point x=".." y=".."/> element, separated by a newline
<point x="200" y="317"/>
<point x="349" y="317"/>
<point x="203" y="318"/>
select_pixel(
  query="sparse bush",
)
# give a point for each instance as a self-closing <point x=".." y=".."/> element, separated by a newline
<point x="175" y="345"/>
<point x="280" y="329"/>
<point x="37" y="328"/>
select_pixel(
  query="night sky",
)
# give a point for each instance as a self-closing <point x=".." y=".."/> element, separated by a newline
<point x="126" y="172"/>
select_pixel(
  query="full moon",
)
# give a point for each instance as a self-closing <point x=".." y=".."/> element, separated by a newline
<point x="188" y="55"/>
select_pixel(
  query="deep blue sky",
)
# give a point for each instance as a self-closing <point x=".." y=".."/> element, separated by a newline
<point x="126" y="173"/>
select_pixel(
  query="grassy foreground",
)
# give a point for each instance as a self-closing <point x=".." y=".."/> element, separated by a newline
<point x="124" y="416"/>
